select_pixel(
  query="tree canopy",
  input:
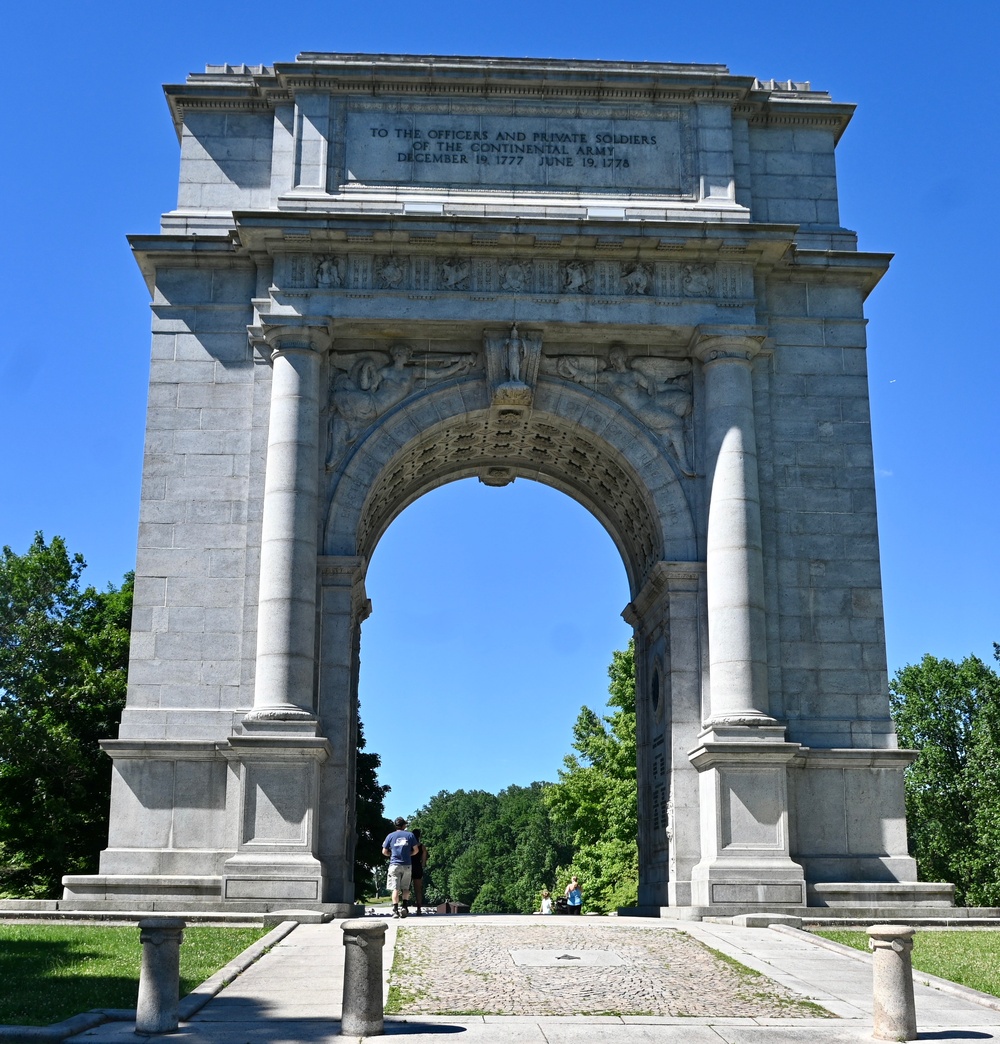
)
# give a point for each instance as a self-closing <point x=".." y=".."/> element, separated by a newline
<point x="63" y="667"/>
<point x="492" y="851"/>
<point x="596" y="796"/>
<point x="950" y="712"/>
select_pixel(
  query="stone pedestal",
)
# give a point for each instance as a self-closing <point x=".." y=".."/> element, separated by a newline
<point x="895" y="1016"/>
<point x="745" y="850"/>
<point x="278" y="787"/>
<point x="362" y="1013"/>
<point x="159" y="975"/>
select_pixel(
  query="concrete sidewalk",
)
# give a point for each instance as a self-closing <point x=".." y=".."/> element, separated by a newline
<point x="293" y="994"/>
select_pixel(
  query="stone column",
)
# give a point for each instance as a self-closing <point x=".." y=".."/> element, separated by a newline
<point x="734" y="561"/>
<point x="741" y="756"/>
<point x="286" y="616"/>
<point x="276" y="752"/>
<point x="343" y="606"/>
<point x="159" y="975"/>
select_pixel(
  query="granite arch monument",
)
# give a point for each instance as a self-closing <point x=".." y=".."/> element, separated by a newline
<point x="627" y="280"/>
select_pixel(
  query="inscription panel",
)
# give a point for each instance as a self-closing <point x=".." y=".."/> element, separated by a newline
<point x="519" y="151"/>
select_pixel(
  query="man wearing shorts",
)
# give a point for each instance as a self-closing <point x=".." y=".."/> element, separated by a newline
<point x="400" y="846"/>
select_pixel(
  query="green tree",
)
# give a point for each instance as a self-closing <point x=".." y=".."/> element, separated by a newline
<point x="950" y="712"/>
<point x="596" y="796"/>
<point x="449" y="824"/>
<point x="493" y="851"/>
<point x="370" y="820"/>
<point x="63" y="667"/>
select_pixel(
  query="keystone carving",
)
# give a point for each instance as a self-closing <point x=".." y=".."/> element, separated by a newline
<point x="512" y="367"/>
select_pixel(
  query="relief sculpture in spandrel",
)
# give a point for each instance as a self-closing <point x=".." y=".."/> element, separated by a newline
<point x="369" y="387"/>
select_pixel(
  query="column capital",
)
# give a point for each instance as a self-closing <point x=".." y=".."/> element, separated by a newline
<point x="722" y="343"/>
<point x="347" y="572"/>
<point x="279" y="335"/>
<point x="663" y="577"/>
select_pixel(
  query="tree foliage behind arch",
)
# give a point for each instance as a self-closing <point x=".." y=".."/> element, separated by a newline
<point x="63" y="668"/>
<point x="950" y="712"/>
<point x="497" y="851"/>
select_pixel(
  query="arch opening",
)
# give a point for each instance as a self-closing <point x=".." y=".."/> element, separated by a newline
<point x="496" y="613"/>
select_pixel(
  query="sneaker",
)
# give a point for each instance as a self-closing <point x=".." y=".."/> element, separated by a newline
<point x="395" y="910"/>
<point x="404" y="911"/>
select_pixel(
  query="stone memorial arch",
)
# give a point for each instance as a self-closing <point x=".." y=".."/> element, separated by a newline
<point x="627" y="281"/>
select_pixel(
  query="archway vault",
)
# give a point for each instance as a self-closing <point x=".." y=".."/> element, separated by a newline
<point x="573" y="440"/>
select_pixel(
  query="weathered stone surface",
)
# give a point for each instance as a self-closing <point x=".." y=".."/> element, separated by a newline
<point x="362" y="1004"/>
<point x="159" y="976"/>
<point x="892" y="982"/>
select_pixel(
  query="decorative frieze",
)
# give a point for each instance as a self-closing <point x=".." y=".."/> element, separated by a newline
<point x="517" y="274"/>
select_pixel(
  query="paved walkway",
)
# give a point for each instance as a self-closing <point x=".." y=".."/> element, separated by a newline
<point x="293" y="993"/>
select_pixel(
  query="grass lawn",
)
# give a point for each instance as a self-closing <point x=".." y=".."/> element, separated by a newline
<point x="52" y="971"/>
<point x="971" y="958"/>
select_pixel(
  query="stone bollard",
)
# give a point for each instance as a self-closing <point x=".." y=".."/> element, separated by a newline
<point x="362" y="1009"/>
<point x="892" y="982"/>
<point x="159" y="977"/>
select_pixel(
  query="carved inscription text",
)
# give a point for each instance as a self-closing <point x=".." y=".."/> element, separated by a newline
<point x="513" y="150"/>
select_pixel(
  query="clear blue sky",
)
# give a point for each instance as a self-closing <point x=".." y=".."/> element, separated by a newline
<point x="474" y="665"/>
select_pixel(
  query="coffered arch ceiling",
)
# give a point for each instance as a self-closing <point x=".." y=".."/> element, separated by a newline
<point x="576" y="442"/>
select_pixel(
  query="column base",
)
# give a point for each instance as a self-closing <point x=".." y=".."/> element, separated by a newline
<point x="286" y="713"/>
<point x="744" y="820"/>
<point x="277" y="764"/>
<point x="763" y="883"/>
<point x="271" y="877"/>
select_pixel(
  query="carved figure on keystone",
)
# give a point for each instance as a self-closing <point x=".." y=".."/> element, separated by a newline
<point x="514" y="351"/>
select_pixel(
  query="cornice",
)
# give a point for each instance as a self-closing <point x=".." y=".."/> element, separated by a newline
<point x="213" y="250"/>
<point x="256" y="89"/>
<point x="859" y="267"/>
<point x="652" y="240"/>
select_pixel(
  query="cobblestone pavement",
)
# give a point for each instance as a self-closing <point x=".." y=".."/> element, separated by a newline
<point x="450" y="968"/>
